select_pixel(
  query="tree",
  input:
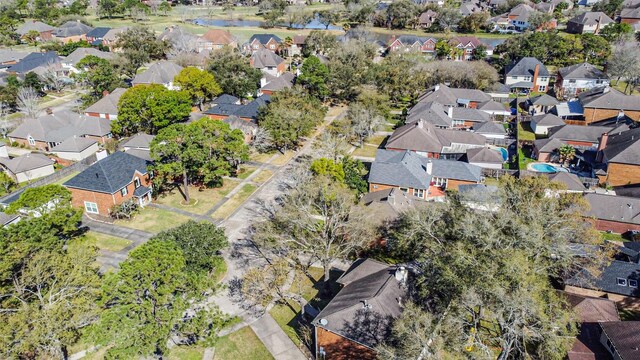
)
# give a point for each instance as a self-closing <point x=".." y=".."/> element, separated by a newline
<point x="291" y="115"/>
<point x="350" y="68"/>
<point x="447" y="18"/>
<point x="329" y="17"/>
<point x="28" y="102"/>
<point x="32" y="80"/>
<point x="328" y="168"/>
<point x="539" y="20"/>
<point x="149" y="108"/>
<point x="400" y="13"/>
<point x="398" y="76"/>
<point x="200" y="85"/>
<point x="149" y="296"/>
<point x="235" y="75"/>
<point x="31" y="37"/>
<point x="314" y="77"/>
<point x="353" y="175"/>
<point x="266" y="285"/>
<point x="108" y="8"/>
<point x="443" y="49"/>
<point x="624" y="64"/>
<point x="596" y="49"/>
<point x="567" y="153"/>
<point x="298" y="15"/>
<point x="40" y="200"/>
<point x="138" y="46"/>
<point x="615" y="32"/>
<point x="609" y="7"/>
<point x="473" y="23"/>
<point x="165" y="7"/>
<point x="479" y="53"/>
<point x="52" y="77"/>
<point x="364" y="120"/>
<point x="318" y="220"/>
<point x="319" y="42"/>
<point x="98" y="75"/>
<point x="272" y="11"/>
<point x="6" y="182"/>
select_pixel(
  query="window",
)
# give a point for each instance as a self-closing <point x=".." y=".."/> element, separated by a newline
<point x="598" y="81"/>
<point x="375" y="186"/>
<point x="272" y="46"/>
<point x="622" y="282"/>
<point x="124" y="191"/>
<point x="514" y="78"/>
<point x="404" y="190"/>
<point x="572" y="81"/>
<point x="31" y="140"/>
<point x="136" y="182"/>
<point x="542" y="88"/>
<point x="418" y="193"/>
<point x="91" y="207"/>
<point x="633" y="283"/>
<point x="440" y="181"/>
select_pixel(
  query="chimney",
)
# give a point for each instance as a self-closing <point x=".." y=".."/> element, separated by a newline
<point x="263" y="81"/>
<point x="450" y="112"/>
<point x="601" y="146"/>
<point x="535" y="77"/>
<point x="401" y="274"/>
<point x="436" y="88"/>
<point x="429" y="167"/>
<point x="420" y="123"/>
<point x="597" y="29"/>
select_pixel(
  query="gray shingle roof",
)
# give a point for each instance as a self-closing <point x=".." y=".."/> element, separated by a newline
<point x="98" y="32"/>
<point x="264" y="58"/>
<point x="33" y="25"/>
<point x="547" y="145"/>
<point x="264" y="38"/>
<point x="432" y="112"/>
<point x="491" y="106"/>
<point x="141" y="153"/>
<point x="582" y="71"/>
<point x="446" y="95"/>
<point x="591" y="18"/>
<point x="81" y="53"/>
<point x="161" y="72"/>
<point x="74" y="144"/>
<point x="225" y="99"/>
<point x="248" y="111"/>
<point x="60" y="126"/>
<point x="624" y="147"/>
<point x="608" y="98"/>
<point x="35" y="60"/>
<point x="607" y="280"/>
<point x="547" y="120"/>
<point x="489" y="127"/>
<point x="279" y="83"/>
<point x="578" y="133"/>
<point x="26" y="162"/>
<point x="544" y="100"/>
<point x="139" y="141"/>
<point x="526" y="67"/>
<point x="109" y="174"/>
<point x="614" y="208"/>
<point x="6" y="218"/>
<point x="108" y="104"/>
<point x="484" y="155"/>
<point x="572" y="181"/>
<point x="72" y="28"/>
<point x="470" y="114"/>
<point x="625" y="337"/>
<point x="7" y="55"/>
<point x="423" y="136"/>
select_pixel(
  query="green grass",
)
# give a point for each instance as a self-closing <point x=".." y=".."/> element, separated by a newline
<point x="106" y="242"/>
<point x="523" y="160"/>
<point x="261" y="157"/>
<point x="282" y="159"/>
<point x="365" y="151"/>
<point x="153" y="220"/>
<point x="185" y="353"/>
<point x="234" y="202"/>
<point x="491" y="181"/>
<point x="245" y="172"/>
<point x="201" y="199"/>
<point x="66" y="178"/>
<point x="621" y="85"/>
<point x="263" y="176"/>
<point x="611" y="236"/>
<point x="524" y="131"/>
<point x="242" y="344"/>
<point x="376" y="139"/>
<point x="287" y="319"/>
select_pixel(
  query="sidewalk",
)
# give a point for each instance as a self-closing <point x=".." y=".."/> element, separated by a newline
<point x="276" y="341"/>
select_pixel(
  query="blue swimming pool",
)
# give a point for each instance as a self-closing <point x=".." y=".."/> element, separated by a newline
<point x="546" y="168"/>
<point x="504" y="152"/>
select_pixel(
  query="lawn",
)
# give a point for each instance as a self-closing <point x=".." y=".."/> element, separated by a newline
<point x="153" y="220"/>
<point x="234" y="202"/>
<point x="283" y="158"/>
<point x="106" y="242"/>
<point x="66" y="178"/>
<point x="263" y="176"/>
<point x="261" y="157"/>
<point x="365" y="151"/>
<point x="611" y="237"/>
<point x="621" y="85"/>
<point x="376" y="140"/>
<point x="242" y="344"/>
<point x="523" y="160"/>
<point x="186" y="353"/>
<point x="201" y="199"/>
<point x="246" y="171"/>
<point x="525" y="132"/>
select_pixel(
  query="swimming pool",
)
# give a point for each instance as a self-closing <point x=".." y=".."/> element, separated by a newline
<point x="547" y="168"/>
<point x="504" y="152"/>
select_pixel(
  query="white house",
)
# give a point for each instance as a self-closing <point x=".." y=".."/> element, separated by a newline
<point x="490" y="130"/>
<point x="3" y="151"/>
<point x="485" y="158"/>
<point x="76" y="148"/>
<point x="540" y="124"/>
<point x="527" y="74"/>
<point x="574" y="79"/>
<point x="27" y="167"/>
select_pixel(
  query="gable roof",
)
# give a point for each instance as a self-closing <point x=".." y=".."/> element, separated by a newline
<point x="112" y="34"/>
<point x="591" y="18"/>
<point x="526" y="67"/>
<point x="492" y="106"/>
<point x="279" y="83"/>
<point x="547" y="120"/>
<point x="624" y="147"/>
<point x="139" y="141"/>
<point x="264" y="38"/>
<point x="543" y="100"/>
<point x="34" y="60"/>
<point x="423" y="136"/>
<point x="547" y="145"/>
<point x="572" y="181"/>
<point x="80" y="53"/>
<point x="399" y="169"/>
<point x="582" y="71"/>
<point x="578" y="133"/>
<point x="33" y="25"/>
<point x="8" y="55"/>
<point x="608" y="98"/>
<point x="614" y="208"/>
<point x="26" y="162"/>
<point x="432" y="112"/>
<point x="446" y="95"/>
<point x="484" y="155"/>
<point x="161" y="72"/>
<point x="60" y="126"/>
<point x="74" y="144"/>
<point x="72" y="28"/>
<point x="218" y="37"/>
<point x="225" y="99"/>
<point x="607" y="279"/>
<point x="109" y="174"/>
<point x="6" y="218"/>
<point x="108" y="104"/>
<point x="98" y="32"/>
<point x="489" y="127"/>
<point x="247" y="111"/>
<point x="264" y="58"/>
<point x="625" y="337"/>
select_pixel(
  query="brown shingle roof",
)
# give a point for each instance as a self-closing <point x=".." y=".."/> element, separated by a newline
<point x="219" y="37"/>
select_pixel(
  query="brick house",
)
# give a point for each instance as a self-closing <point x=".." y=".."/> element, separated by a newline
<point x="619" y="152"/>
<point x="107" y="107"/>
<point x="467" y="45"/>
<point x="605" y="103"/>
<point x="216" y="39"/>
<point x="407" y="43"/>
<point x="268" y="62"/>
<point x="111" y="181"/>
<point x="446" y="116"/>
<point x="617" y="214"/>
<point x="45" y="31"/>
<point x="270" y="42"/>
<point x="579" y="136"/>
<point x="72" y="31"/>
<point x="226" y="106"/>
<point x="454" y="97"/>
<point x="369" y="289"/>
<point x="95" y="36"/>
<point x="590" y="22"/>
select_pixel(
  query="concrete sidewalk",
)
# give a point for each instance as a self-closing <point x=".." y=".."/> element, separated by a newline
<point x="275" y="340"/>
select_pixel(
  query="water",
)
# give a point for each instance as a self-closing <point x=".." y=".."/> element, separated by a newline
<point x="546" y="168"/>
<point x="313" y="25"/>
<point x="504" y="152"/>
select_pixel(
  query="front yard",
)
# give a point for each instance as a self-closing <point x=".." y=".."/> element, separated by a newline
<point x="153" y="220"/>
<point x="232" y="204"/>
<point x="201" y="199"/>
<point x="524" y="132"/>
<point x="365" y="151"/>
<point x="242" y="344"/>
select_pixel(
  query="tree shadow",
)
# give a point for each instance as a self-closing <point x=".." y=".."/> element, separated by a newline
<point x="368" y="327"/>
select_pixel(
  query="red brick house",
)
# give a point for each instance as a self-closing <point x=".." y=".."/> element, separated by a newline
<point x="263" y="41"/>
<point x="111" y="181"/>
<point x="45" y="31"/>
<point x="617" y="214"/>
<point x="605" y="103"/>
<point x="107" y="107"/>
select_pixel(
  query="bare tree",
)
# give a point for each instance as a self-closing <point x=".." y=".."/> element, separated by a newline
<point x="364" y="121"/>
<point x="28" y="102"/>
<point x="331" y="145"/>
<point x="51" y="77"/>
<point x="6" y="123"/>
<point x="624" y="63"/>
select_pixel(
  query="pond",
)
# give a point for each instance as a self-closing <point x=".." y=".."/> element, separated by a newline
<point x="312" y="25"/>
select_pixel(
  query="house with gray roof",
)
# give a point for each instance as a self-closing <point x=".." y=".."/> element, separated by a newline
<point x="571" y="181"/>
<point x="27" y="167"/>
<point x="370" y="290"/>
<point x="107" y="107"/>
<point x="246" y="112"/>
<point x="494" y="108"/>
<point x="7" y="219"/>
<point x="95" y="36"/>
<point x="111" y="181"/>
<point x="270" y="84"/>
<point x="268" y="62"/>
<point x="72" y="31"/>
<point x="10" y="57"/>
<point x="38" y="63"/>
<point x="70" y="62"/>
<point x="455" y="97"/>
<point x="162" y="72"/>
<point x="270" y="42"/>
<point x="575" y="79"/>
<point x="76" y="148"/>
<point x="490" y="130"/>
<point x="528" y="74"/>
<point x="540" y="104"/>
<point x="589" y="22"/>
<point x="604" y="103"/>
<point x="617" y="214"/>
<point x="578" y="135"/>
<point x="45" y="31"/>
<point x="547" y="149"/>
<point x="139" y="145"/>
<point x="619" y="152"/>
<point x="484" y="157"/>
<point x="445" y="116"/>
<point x="540" y="124"/>
<point x="388" y="204"/>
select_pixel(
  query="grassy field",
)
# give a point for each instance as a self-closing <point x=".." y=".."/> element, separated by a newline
<point x="376" y="140"/>
<point x="365" y="151"/>
<point x="153" y="220"/>
<point x="261" y="157"/>
<point x="232" y="204"/>
<point x="246" y="171"/>
<point x="201" y="199"/>
<point x="612" y="237"/>
<point x="524" y="132"/>
<point x="186" y="353"/>
<point x="523" y="159"/>
<point x="242" y="344"/>
<point x="106" y="242"/>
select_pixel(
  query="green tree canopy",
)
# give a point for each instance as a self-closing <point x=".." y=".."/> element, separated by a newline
<point x="149" y="108"/>
<point x="400" y="13"/>
<point x="199" y="84"/>
<point x="235" y="75"/>
<point x="314" y="77"/>
<point x="139" y="45"/>
<point x="329" y="168"/>
<point x="350" y="67"/>
<point x="99" y="75"/>
<point x="41" y="199"/>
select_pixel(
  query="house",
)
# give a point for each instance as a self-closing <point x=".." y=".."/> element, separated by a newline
<point x="571" y="181"/>
<point x="540" y="104"/>
<point x="411" y="43"/>
<point x="490" y="130"/>
<point x="620" y="153"/>
<point x="388" y="204"/>
<point x="499" y="92"/>
<point x="139" y="145"/>
<point x="268" y="62"/>
<point x="107" y="107"/>
<point x="182" y="41"/>
<point x="224" y="108"/>
<point x="591" y="312"/>
<point x="540" y="124"/>
<point x="427" y="18"/>
<point x="469" y="7"/>
<point x="605" y="103"/>
<point x="494" y="108"/>
<point x="571" y="111"/>
<point x="630" y="13"/>
<point x="484" y="157"/>
<point x="297" y="45"/>
<point x="579" y="136"/>
<point x="38" y="63"/>
<point x="574" y="79"/>
<point x="418" y="176"/>
<point x="111" y="37"/>
<point x="48" y="131"/>
<point x="545" y="150"/>
<point x="370" y="290"/>
<point x="621" y="338"/>
<point x="27" y="167"/>
<point x="45" y="31"/>
<point x="6" y="219"/>
<point x="519" y="18"/>
<point x="269" y="84"/>
<point x="270" y="42"/>
<point x="75" y="148"/>
<point x="527" y="74"/>
<point x="111" y="181"/>
<point x="429" y="141"/>
<point x="446" y="117"/>
<point x="466" y="45"/>
<point x="248" y="128"/>
<point x="617" y="214"/>
<point x="10" y="57"/>
<point x="70" y="62"/>
<point x="216" y="39"/>
<point x="3" y="150"/>
<point x="162" y="72"/>
<point x="590" y="22"/>
<point x="72" y="31"/>
<point x="455" y="97"/>
<point x="95" y="36"/>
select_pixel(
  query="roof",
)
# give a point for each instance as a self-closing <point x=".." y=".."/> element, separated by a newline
<point x="389" y="203"/>
<point x="625" y="337"/>
<point x="489" y="127"/>
<point x="80" y="53"/>
<point x="112" y="34"/>
<point x="591" y="18"/>
<point x="432" y="112"/>
<point x="547" y="145"/>
<point x="614" y="208"/>
<point x="26" y="162"/>
<point x="582" y="71"/>
<point x="108" y="104"/>
<point x="544" y="100"/>
<point x="109" y="174"/>
<point x="590" y="134"/>
<point x="98" y="32"/>
<point x="278" y="83"/>
<point x="264" y="58"/>
<point x="590" y="311"/>
<point x="526" y="67"/>
<point x="141" y="191"/>
<point x="446" y="95"/>
<point x="161" y="72"/>
<point x="219" y="37"/>
<point x="34" y="60"/>
<point x="484" y="155"/>
<point x="630" y="13"/>
<point x="264" y="38"/>
<point x="423" y="136"/>
<point x="60" y="126"/>
<point x="74" y="144"/>
<point x="547" y="120"/>
<point x="365" y="281"/>
<point x="624" y="147"/>
<point x="72" y="28"/>
<point x="7" y="55"/>
<point x="33" y="25"/>
<point x="399" y="168"/>
<point x="247" y="111"/>
<point x="492" y="106"/>
<point x="6" y="218"/>
<point x="569" y="108"/>
<point x="139" y="141"/>
<point x="226" y="99"/>
<point x="470" y="114"/>
<point x="608" y="98"/>
<point x="141" y="153"/>
<point x="607" y="280"/>
<point x="572" y="181"/>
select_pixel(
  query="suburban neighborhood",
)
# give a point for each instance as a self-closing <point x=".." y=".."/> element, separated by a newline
<point x="357" y="179"/>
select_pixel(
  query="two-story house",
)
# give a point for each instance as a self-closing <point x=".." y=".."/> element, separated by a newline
<point x="45" y="31"/>
<point x="270" y="42"/>
<point x="605" y="103"/>
<point x="574" y="79"/>
<point x="215" y="39"/>
<point x="619" y="152"/>
<point x="466" y="45"/>
<point x="268" y="62"/>
<point x="527" y="74"/>
<point x="411" y="43"/>
<point x="590" y="22"/>
<point x="163" y="72"/>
